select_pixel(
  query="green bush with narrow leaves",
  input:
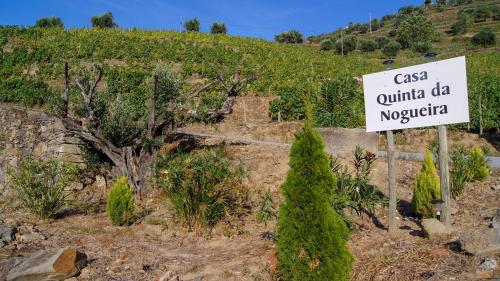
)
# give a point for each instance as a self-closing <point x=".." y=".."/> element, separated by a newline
<point x="459" y="172"/>
<point x="312" y="237"/>
<point x="477" y="164"/>
<point x="120" y="203"/>
<point x="40" y="185"/>
<point x="203" y="186"/>
<point x="425" y="189"/>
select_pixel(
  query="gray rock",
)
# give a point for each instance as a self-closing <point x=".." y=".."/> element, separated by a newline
<point x="7" y="233"/>
<point x="496" y="188"/>
<point x="435" y="230"/>
<point x="488" y="264"/>
<point x="481" y="242"/>
<point x="53" y="265"/>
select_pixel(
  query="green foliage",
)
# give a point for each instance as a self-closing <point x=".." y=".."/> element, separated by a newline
<point x="192" y="25"/>
<point x="120" y="203"/>
<point x="339" y="103"/>
<point x="28" y="92"/>
<point x="484" y="38"/>
<point x="218" y="28"/>
<point x="382" y="41"/>
<point x="291" y="36"/>
<point x="103" y="21"/>
<point x="422" y="47"/>
<point x="290" y="103"/>
<point x="459" y="172"/>
<point x="416" y="29"/>
<point x="476" y="162"/>
<point x="484" y="87"/>
<point x="425" y="189"/>
<point x="266" y="211"/>
<point x="368" y="45"/>
<point x="327" y="44"/>
<point x="49" y="22"/>
<point x="203" y="187"/>
<point x="353" y="191"/>
<point x="346" y="45"/>
<point x="119" y="125"/>
<point x="40" y="185"/>
<point x="461" y="25"/>
<point x="312" y="237"/>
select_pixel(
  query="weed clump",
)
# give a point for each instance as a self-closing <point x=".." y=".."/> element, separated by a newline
<point x="40" y="185"/>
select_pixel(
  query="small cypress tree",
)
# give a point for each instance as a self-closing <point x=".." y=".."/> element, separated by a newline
<point x="312" y="237"/>
<point x="120" y="203"/>
<point x="425" y="189"/>
<point x="477" y="164"/>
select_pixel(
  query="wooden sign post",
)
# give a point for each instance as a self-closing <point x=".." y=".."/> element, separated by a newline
<point x="443" y="159"/>
<point x="391" y="162"/>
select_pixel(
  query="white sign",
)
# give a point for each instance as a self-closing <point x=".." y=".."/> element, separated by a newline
<point x="422" y="95"/>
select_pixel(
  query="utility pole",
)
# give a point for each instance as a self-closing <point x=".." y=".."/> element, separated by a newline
<point x="342" y="40"/>
<point x="443" y="165"/>
<point x="370" y="23"/>
<point x="180" y="26"/>
<point x="392" y="171"/>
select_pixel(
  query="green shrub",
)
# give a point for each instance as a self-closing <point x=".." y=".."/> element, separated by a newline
<point x="291" y="101"/>
<point x="49" y="22"/>
<point x="346" y="45"/>
<point x="460" y="26"/>
<point x="415" y="29"/>
<point x="218" y="28"/>
<point x="368" y="45"/>
<point x="312" y="237"/>
<point x="422" y="47"/>
<point x="203" y="187"/>
<point x="120" y="203"/>
<point x="391" y="50"/>
<point x="392" y="33"/>
<point x="292" y="36"/>
<point x="326" y="44"/>
<point x="477" y="164"/>
<point x="192" y="25"/>
<point x="26" y="91"/>
<point x="425" y="189"/>
<point x="266" y="211"/>
<point x="40" y="185"/>
<point x="459" y="172"/>
<point x="339" y="103"/>
<point x="104" y="21"/>
<point x="382" y="41"/>
<point x="484" y="38"/>
<point x="353" y="191"/>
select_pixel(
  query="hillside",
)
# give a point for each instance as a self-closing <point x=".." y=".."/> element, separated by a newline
<point x="289" y="71"/>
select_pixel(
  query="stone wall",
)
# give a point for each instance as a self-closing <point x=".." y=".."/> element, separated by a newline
<point x="30" y="132"/>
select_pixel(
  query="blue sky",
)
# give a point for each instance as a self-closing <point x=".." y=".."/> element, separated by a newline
<point x="253" y="18"/>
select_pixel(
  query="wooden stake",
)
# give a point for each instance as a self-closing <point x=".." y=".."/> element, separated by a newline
<point x="444" y="175"/>
<point x="392" y="182"/>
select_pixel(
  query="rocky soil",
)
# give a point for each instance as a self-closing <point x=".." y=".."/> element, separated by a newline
<point x="157" y="246"/>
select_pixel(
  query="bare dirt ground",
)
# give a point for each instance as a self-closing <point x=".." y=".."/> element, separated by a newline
<point x="157" y="244"/>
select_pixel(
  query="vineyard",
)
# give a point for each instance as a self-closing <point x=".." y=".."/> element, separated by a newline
<point x="33" y="58"/>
